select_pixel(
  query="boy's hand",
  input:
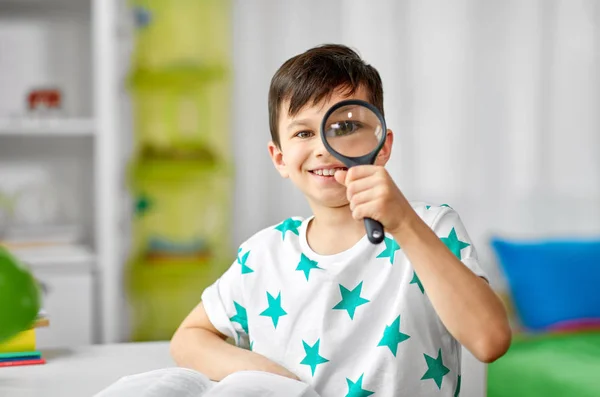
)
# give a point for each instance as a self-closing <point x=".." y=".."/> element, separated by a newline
<point x="373" y="194"/>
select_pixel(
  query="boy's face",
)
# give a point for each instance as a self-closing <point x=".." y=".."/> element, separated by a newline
<point x="304" y="159"/>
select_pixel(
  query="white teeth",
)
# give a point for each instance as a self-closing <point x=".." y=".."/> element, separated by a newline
<point x="326" y="172"/>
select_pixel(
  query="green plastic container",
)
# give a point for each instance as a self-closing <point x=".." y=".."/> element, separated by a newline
<point x="162" y="295"/>
<point x="181" y="32"/>
<point x="182" y="187"/>
<point x="181" y="240"/>
<point x="182" y="208"/>
<point x="184" y="113"/>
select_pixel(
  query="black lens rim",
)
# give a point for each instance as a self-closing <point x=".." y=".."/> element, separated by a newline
<point x="366" y="159"/>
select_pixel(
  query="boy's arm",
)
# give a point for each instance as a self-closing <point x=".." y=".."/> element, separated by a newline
<point x="468" y="307"/>
<point x="198" y="345"/>
<point x="466" y="304"/>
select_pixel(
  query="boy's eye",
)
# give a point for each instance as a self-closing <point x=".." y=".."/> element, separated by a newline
<point x="304" y="134"/>
<point x="343" y="128"/>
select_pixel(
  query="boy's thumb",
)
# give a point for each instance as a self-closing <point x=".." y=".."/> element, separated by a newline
<point x="340" y="177"/>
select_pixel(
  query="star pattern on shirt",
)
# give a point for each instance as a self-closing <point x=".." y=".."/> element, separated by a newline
<point x="355" y="389"/>
<point x="392" y="336"/>
<point x="306" y="265"/>
<point x="445" y="205"/>
<point x="289" y="224"/>
<point x="242" y="261"/>
<point x="313" y="358"/>
<point x="457" y="391"/>
<point x="241" y="316"/>
<point x="274" y="310"/>
<point x="416" y="280"/>
<point x="391" y="246"/>
<point x="454" y="244"/>
<point x="435" y="369"/>
<point x="390" y="333"/>
<point x="350" y="299"/>
<point x="427" y="207"/>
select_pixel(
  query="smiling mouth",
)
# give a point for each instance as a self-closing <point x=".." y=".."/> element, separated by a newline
<point x="327" y="171"/>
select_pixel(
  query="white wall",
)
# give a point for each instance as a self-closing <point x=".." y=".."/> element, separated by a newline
<point x="494" y="106"/>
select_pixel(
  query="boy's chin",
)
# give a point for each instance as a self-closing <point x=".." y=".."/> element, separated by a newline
<point x="333" y="202"/>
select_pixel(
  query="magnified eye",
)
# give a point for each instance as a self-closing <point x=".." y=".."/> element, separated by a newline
<point x="343" y="128"/>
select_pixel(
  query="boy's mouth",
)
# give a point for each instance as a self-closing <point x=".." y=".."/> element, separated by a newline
<point x="327" y="171"/>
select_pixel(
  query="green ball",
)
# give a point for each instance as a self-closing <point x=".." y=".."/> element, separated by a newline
<point x="19" y="296"/>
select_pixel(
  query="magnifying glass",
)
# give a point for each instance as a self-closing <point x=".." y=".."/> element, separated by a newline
<point x="354" y="132"/>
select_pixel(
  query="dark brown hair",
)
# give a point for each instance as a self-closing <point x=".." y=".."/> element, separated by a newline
<point x="314" y="75"/>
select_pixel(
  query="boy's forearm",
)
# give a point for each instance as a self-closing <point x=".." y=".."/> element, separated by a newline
<point x="207" y="353"/>
<point x="465" y="303"/>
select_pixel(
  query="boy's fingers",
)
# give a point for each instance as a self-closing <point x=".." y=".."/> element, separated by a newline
<point x="340" y="177"/>
<point x="362" y="197"/>
<point x="360" y="171"/>
<point x="357" y="186"/>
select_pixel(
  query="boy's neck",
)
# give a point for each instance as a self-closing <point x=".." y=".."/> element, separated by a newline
<point x="333" y="230"/>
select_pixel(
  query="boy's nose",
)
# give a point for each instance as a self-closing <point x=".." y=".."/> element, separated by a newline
<point x="320" y="149"/>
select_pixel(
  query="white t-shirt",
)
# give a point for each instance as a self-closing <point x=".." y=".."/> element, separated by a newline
<point x="351" y="324"/>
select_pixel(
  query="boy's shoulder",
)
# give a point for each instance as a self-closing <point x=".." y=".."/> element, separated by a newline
<point x="276" y="233"/>
<point x="430" y="212"/>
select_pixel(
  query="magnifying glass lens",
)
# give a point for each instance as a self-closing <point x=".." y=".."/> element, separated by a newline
<point x="353" y="131"/>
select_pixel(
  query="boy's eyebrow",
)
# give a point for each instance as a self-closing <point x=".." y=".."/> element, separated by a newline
<point x="303" y="122"/>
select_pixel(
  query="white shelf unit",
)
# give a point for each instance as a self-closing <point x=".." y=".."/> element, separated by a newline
<point x="72" y="45"/>
<point x="53" y="126"/>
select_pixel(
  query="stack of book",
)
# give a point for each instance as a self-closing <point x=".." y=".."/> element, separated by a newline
<point x="22" y="348"/>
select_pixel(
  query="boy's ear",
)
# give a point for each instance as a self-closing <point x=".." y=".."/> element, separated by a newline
<point x="277" y="158"/>
<point x="386" y="151"/>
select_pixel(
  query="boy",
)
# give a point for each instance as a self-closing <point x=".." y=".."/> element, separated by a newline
<point x="312" y="299"/>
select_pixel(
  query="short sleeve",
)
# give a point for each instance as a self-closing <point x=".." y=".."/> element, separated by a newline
<point x="224" y="301"/>
<point x="450" y="229"/>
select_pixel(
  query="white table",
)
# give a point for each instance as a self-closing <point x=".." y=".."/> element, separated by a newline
<point x="84" y="371"/>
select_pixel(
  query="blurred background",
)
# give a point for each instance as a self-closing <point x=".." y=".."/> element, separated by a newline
<point x="133" y="137"/>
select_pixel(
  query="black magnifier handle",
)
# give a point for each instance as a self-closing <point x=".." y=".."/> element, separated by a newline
<point x="374" y="231"/>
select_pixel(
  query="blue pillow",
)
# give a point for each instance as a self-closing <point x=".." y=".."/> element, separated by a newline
<point x="552" y="282"/>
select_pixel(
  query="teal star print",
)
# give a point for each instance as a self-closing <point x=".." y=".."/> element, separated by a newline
<point x="313" y="358"/>
<point x="306" y="265"/>
<point x="435" y="369"/>
<point x="457" y="391"/>
<point x="454" y="244"/>
<point x="242" y="261"/>
<point x="251" y="345"/>
<point x="392" y="336"/>
<point x="241" y="316"/>
<point x="355" y="388"/>
<point x="445" y="205"/>
<point x="350" y="299"/>
<point x="415" y="280"/>
<point x="142" y="205"/>
<point x="427" y="207"/>
<point x="274" y="310"/>
<point x="391" y="246"/>
<point x="288" y="225"/>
